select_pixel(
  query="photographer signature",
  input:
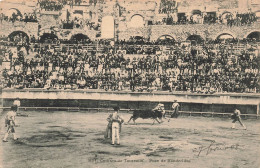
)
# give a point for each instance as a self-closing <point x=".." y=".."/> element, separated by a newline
<point x="213" y="147"/>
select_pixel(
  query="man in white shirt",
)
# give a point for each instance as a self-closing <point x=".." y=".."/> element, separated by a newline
<point x="10" y="123"/>
<point x="236" y="117"/>
<point x="160" y="108"/>
<point x="175" y="107"/>
<point x="17" y="103"/>
<point x="115" y="121"/>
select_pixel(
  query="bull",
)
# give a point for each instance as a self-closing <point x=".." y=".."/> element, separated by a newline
<point x="146" y="114"/>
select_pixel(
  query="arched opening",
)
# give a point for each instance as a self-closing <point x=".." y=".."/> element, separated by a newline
<point x="107" y="27"/>
<point x="80" y="38"/>
<point x="48" y="38"/>
<point x="254" y="36"/>
<point x="19" y="37"/>
<point x="196" y="12"/>
<point x="226" y="16"/>
<point x="166" y="40"/>
<point x="224" y="36"/>
<point x="195" y="39"/>
<point x="13" y="12"/>
<point x="196" y="16"/>
<point x="137" y="21"/>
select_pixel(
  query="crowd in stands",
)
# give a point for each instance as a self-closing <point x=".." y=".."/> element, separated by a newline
<point x="167" y="6"/>
<point x="210" y="18"/>
<point x="79" y="63"/>
<point x="26" y="17"/>
<point x="241" y="19"/>
<point x="57" y="5"/>
<point x="52" y="5"/>
<point x="80" y="24"/>
<point x="18" y="40"/>
<point x="208" y="68"/>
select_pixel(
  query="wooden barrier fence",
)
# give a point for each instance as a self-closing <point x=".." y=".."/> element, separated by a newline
<point x="168" y="112"/>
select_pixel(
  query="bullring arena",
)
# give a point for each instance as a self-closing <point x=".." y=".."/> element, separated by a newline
<point x="68" y="64"/>
<point x="76" y="139"/>
<point x="68" y="136"/>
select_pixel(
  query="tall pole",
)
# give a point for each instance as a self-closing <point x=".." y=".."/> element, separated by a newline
<point x="258" y="110"/>
<point x="115" y="36"/>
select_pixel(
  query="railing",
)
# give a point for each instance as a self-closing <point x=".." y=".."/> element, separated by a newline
<point x="89" y="47"/>
<point x="168" y="112"/>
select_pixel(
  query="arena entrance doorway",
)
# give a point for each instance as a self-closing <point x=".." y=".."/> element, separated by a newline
<point x="19" y="37"/>
<point x="254" y="36"/>
<point x="137" y="21"/>
<point x="166" y="40"/>
<point x="48" y="38"/>
<point x="108" y="27"/>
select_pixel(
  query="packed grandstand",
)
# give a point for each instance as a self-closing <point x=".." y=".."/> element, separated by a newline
<point x="198" y="65"/>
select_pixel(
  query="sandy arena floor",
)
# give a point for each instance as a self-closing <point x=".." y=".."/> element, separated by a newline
<point x="76" y="139"/>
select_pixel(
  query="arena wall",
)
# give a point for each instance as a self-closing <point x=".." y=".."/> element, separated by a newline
<point x="31" y="29"/>
<point x="182" y="32"/>
<point x="152" y="32"/>
<point x="221" y="103"/>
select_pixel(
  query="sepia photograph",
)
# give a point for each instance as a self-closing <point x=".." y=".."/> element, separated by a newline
<point x="129" y="84"/>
